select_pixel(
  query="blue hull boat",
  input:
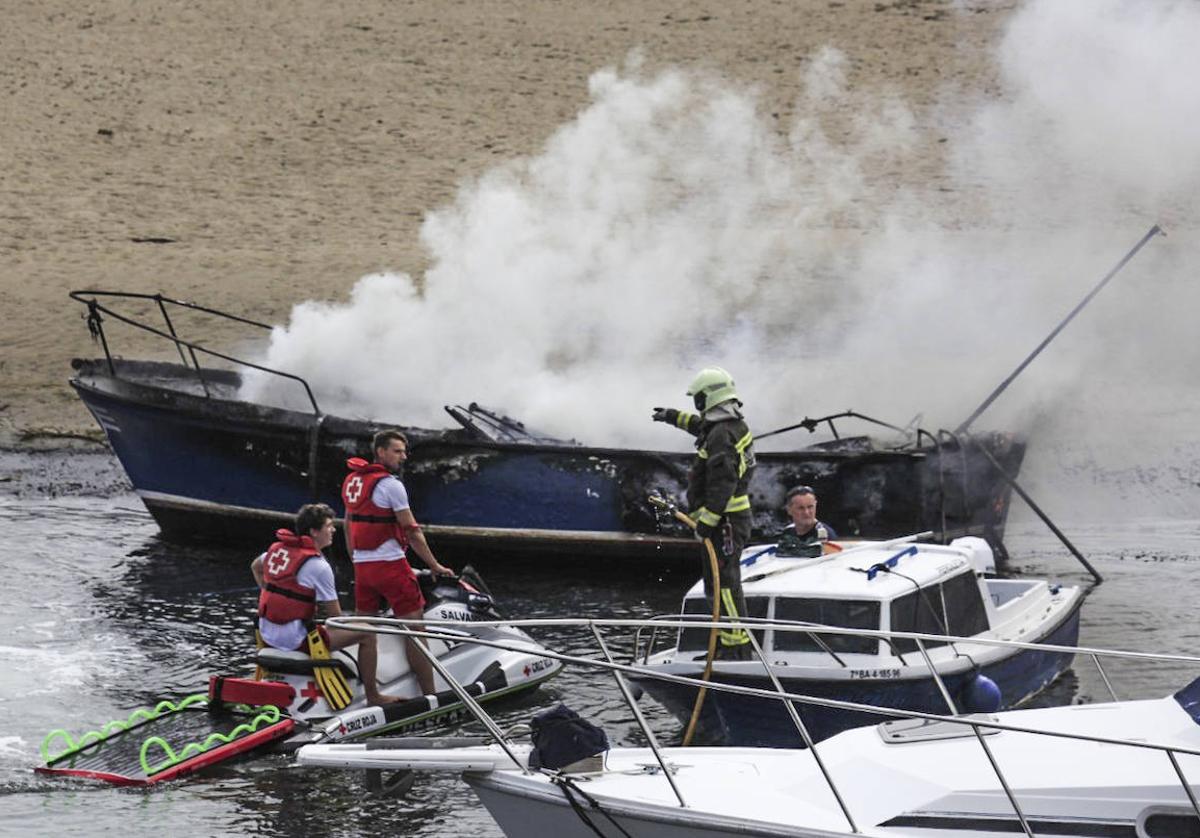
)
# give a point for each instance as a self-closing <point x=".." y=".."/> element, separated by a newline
<point x="862" y="669"/>
<point x="209" y="465"/>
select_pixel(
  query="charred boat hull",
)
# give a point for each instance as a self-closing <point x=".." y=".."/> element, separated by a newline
<point x="210" y="466"/>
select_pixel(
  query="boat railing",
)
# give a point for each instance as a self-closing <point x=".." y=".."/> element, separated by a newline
<point x="978" y="724"/>
<point x="95" y="323"/>
<point x="646" y="649"/>
<point x="811" y="425"/>
<point x="751" y="625"/>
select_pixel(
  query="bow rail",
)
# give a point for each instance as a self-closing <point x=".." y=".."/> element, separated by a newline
<point x="91" y="299"/>
<point x="977" y="725"/>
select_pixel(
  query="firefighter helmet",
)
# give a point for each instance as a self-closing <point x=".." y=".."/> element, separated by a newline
<point x="711" y="386"/>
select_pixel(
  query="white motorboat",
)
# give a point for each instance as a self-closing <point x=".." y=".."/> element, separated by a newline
<point x="1115" y="770"/>
<point x="881" y="586"/>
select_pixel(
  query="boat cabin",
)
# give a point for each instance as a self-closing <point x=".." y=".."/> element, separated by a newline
<point x="921" y="588"/>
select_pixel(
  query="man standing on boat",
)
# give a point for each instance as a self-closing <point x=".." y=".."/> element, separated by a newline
<point x="297" y="584"/>
<point x="380" y="528"/>
<point x="717" y="490"/>
<point x="805" y="537"/>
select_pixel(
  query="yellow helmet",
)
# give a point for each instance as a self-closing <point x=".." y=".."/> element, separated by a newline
<point x="711" y="386"/>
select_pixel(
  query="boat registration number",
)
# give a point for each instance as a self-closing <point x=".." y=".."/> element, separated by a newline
<point x="860" y="674"/>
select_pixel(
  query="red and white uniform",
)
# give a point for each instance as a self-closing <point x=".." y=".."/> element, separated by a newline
<point x="283" y="598"/>
<point x="382" y="574"/>
<point x="372" y="494"/>
<point x="297" y="577"/>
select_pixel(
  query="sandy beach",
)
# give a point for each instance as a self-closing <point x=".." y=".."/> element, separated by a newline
<point x="286" y="149"/>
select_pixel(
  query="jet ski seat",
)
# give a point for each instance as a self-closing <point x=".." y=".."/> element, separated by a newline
<point x="297" y="663"/>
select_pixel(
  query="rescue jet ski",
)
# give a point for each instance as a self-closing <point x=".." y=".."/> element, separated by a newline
<point x="297" y="699"/>
<point x="317" y="699"/>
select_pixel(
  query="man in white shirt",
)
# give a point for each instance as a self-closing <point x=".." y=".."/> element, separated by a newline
<point x="380" y="528"/>
<point x="297" y="584"/>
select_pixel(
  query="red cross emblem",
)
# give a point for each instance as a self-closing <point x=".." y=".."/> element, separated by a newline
<point x="277" y="562"/>
<point x="310" y="690"/>
<point x="526" y="670"/>
<point x="354" y="487"/>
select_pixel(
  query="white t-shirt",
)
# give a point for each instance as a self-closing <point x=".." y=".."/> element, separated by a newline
<point x="390" y="494"/>
<point x="316" y="574"/>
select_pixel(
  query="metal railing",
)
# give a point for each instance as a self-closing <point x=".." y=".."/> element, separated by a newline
<point x="96" y="327"/>
<point x="439" y="630"/>
<point x="811" y="425"/>
<point x="941" y="442"/>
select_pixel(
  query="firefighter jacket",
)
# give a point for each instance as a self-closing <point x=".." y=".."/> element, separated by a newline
<point x="719" y="480"/>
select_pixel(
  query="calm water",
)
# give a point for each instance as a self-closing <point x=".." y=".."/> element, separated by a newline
<point x="103" y="617"/>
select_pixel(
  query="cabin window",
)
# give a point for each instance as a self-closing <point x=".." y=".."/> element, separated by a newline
<point x="922" y="612"/>
<point x="859" y="614"/>
<point x="696" y="639"/>
<point x="965" y="612"/>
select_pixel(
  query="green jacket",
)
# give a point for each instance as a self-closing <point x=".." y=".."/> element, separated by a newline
<point x="808" y="545"/>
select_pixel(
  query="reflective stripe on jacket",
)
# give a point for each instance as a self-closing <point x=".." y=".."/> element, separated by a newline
<point x="720" y="477"/>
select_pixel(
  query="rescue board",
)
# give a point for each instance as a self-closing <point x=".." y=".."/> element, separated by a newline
<point x="165" y="742"/>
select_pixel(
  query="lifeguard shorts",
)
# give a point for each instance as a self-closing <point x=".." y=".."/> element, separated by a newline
<point x="393" y="583"/>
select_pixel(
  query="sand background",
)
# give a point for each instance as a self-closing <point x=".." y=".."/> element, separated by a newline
<point x="288" y="148"/>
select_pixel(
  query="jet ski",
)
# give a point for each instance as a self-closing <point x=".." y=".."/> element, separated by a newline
<point x="299" y="699"/>
<point x="485" y="672"/>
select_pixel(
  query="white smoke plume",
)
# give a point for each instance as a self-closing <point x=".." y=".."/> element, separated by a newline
<point x="672" y="225"/>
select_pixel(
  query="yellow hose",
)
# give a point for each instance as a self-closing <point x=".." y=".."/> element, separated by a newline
<point x="712" y="637"/>
<point x="716" y="615"/>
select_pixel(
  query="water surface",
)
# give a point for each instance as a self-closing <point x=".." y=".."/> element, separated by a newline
<point x="105" y="617"/>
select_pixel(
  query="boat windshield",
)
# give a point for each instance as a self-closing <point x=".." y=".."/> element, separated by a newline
<point x="954" y="606"/>
<point x="842" y="613"/>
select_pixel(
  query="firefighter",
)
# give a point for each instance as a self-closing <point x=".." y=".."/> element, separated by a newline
<point x="717" y="490"/>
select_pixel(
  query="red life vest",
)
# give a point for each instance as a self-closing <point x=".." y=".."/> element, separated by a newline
<point x="284" y="599"/>
<point x="370" y="525"/>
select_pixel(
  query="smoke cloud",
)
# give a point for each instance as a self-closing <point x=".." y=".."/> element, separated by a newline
<point x="869" y="255"/>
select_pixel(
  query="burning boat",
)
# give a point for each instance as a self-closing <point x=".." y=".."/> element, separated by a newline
<point x="210" y="465"/>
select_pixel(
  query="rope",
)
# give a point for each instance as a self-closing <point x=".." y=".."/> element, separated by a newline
<point x="570" y="789"/>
